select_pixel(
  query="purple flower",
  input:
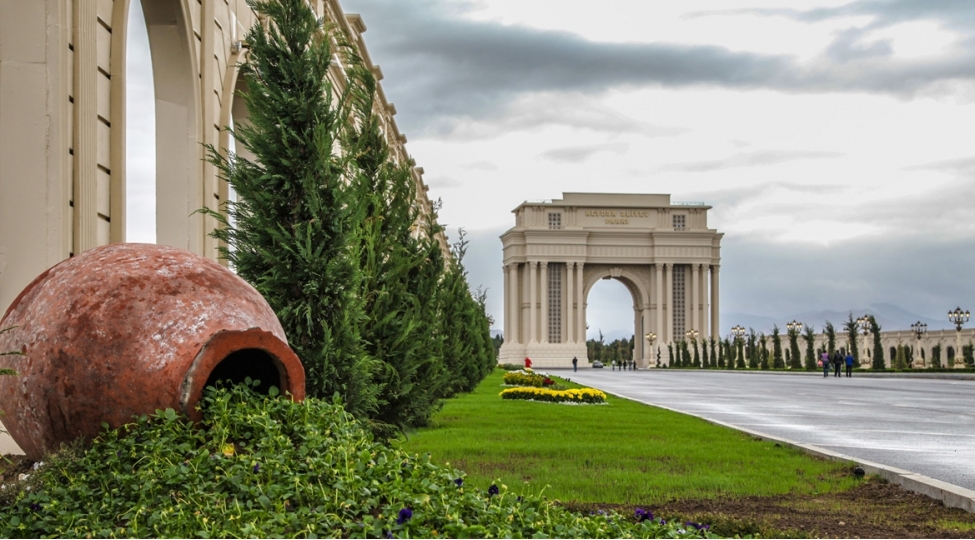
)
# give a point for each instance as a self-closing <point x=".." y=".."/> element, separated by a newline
<point x="388" y="534"/>
<point x="663" y="521"/>
<point x="404" y="515"/>
<point x="697" y="526"/>
<point x="643" y="515"/>
<point x="519" y="498"/>
<point x="459" y="482"/>
<point x="34" y="507"/>
<point x="493" y="490"/>
<point x="257" y="468"/>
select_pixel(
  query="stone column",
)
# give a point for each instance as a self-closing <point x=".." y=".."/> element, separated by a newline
<point x="659" y="295"/>
<point x="691" y="299"/>
<point x="669" y="295"/>
<point x="647" y="349"/>
<point x="580" y="304"/>
<point x="532" y="302"/>
<point x="715" y="314"/>
<point x="704" y="307"/>
<point x="506" y="268"/>
<point x="544" y="298"/>
<point x="570" y="301"/>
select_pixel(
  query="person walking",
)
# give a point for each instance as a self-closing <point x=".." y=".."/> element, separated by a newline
<point x="849" y="364"/>
<point x="837" y="362"/>
<point x="824" y="361"/>
<point x="575" y="364"/>
<point x="528" y="362"/>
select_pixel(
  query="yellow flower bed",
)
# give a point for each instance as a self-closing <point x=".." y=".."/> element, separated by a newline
<point x="526" y="378"/>
<point x="573" y="395"/>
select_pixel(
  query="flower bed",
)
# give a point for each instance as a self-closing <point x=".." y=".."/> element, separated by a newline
<point x="573" y="395"/>
<point x="526" y="378"/>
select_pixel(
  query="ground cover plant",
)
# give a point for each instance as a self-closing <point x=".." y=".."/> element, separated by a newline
<point x="628" y="456"/>
<point x="263" y="466"/>
<point x="527" y="378"/>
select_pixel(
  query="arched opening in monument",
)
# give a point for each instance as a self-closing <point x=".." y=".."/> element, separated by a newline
<point x="140" y="131"/>
<point x="238" y="366"/>
<point x="611" y="330"/>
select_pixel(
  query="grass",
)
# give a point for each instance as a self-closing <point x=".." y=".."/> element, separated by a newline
<point x="623" y="452"/>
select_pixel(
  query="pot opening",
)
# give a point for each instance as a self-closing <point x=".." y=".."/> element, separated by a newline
<point x="239" y="365"/>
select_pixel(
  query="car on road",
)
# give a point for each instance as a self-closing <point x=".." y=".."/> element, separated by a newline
<point x="597" y="364"/>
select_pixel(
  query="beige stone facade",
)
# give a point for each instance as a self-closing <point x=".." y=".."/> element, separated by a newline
<point x="63" y="117"/>
<point x="664" y="253"/>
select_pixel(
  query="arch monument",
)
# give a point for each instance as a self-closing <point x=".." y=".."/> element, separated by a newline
<point x="663" y="252"/>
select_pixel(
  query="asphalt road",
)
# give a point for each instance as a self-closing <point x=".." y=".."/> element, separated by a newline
<point x="925" y="426"/>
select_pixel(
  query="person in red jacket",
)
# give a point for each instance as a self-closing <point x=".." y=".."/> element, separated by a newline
<point x="528" y="362"/>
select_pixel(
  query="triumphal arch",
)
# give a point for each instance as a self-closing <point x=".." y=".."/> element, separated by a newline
<point x="663" y="252"/>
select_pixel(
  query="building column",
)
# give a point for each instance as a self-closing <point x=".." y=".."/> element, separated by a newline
<point x="511" y="295"/>
<point x="691" y="299"/>
<point x="570" y="300"/>
<point x="544" y="322"/>
<point x="580" y="304"/>
<point x="532" y="302"/>
<point x="647" y="349"/>
<point x="669" y="295"/>
<point x="704" y="308"/>
<point x="715" y="314"/>
<point x="659" y="295"/>
<point x="506" y="268"/>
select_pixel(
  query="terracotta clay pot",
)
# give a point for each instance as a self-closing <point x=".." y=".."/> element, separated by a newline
<point x="125" y="329"/>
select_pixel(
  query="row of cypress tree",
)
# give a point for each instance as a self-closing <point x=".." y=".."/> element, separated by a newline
<point x="327" y="228"/>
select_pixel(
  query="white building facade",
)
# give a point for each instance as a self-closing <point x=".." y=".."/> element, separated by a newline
<point x="663" y="252"/>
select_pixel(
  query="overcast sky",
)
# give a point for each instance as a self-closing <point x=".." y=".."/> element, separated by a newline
<point x="834" y="139"/>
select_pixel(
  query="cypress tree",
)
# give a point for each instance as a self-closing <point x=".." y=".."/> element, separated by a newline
<point x="674" y="361"/>
<point x="777" y="362"/>
<point x="795" y="361"/>
<point x="878" y="347"/>
<point x="936" y="356"/>
<point x="851" y="335"/>
<point x="753" y="352"/>
<point x="697" y="356"/>
<point x="810" y="337"/>
<point x="290" y="233"/>
<point x="714" y="354"/>
<point x="830" y="332"/>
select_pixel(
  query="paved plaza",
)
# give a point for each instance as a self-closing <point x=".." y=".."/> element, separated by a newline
<point x="926" y="426"/>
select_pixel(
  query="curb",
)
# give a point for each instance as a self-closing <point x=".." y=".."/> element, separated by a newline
<point x="950" y="495"/>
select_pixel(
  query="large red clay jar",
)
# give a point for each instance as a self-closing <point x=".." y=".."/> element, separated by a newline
<point x="125" y="329"/>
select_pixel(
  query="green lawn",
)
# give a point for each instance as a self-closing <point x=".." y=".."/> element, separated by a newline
<point x="623" y="452"/>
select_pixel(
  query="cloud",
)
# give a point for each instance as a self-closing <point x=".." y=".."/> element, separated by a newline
<point x="748" y="159"/>
<point x="963" y="166"/>
<point x="448" y="69"/>
<point x="444" y="182"/>
<point x="482" y="165"/>
<point x="579" y="154"/>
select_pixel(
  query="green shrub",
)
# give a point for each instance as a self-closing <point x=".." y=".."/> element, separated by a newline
<point x="259" y="466"/>
<point x="509" y="367"/>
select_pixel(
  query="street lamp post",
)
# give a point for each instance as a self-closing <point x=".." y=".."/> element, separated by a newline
<point x="739" y="332"/>
<point x="863" y="323"/>
<point x="651" y="337"/>
<point x="958" y="318"/>
<point x="919" y="329"/>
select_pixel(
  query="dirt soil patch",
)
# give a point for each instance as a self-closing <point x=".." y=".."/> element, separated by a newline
<point x="873" y="509"/>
